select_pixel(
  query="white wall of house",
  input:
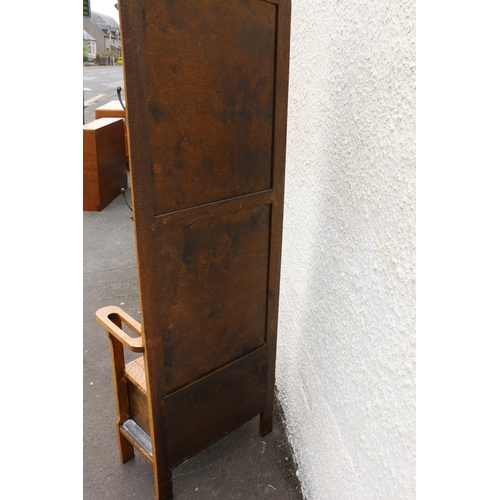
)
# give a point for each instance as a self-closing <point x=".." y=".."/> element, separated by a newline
<point x="92" y="50"/>
<point x="346" y="339"/>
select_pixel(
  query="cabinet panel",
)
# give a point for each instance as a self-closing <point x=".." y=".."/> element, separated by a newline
<point x="210" y="77"/>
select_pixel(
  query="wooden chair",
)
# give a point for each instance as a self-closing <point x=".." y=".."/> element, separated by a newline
<point x="206" y="89"/>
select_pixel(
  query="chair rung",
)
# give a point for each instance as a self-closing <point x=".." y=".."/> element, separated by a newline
<point x="138" y="437"/>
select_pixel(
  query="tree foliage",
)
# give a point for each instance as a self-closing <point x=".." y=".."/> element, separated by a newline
<point x="85" y="50"/>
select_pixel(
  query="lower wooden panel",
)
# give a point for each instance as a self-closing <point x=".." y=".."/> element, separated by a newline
<point x="205" y="411"/>
<point x="212" y="285"/>
<point x="138" y="406"/>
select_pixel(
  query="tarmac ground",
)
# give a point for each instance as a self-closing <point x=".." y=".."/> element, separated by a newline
<point x="240" y="466"/>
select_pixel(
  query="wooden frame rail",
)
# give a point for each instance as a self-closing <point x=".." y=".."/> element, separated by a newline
<point x="130" y="435"/>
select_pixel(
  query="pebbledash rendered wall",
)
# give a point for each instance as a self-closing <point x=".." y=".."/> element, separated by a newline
<point x="346" y="348"/>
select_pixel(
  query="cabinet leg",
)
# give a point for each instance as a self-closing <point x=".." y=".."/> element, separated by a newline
<point x="163" y="483"/>
<point x="266" y="421"/>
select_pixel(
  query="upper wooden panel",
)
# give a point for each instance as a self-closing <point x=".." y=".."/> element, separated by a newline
<point x="210" y="79"/>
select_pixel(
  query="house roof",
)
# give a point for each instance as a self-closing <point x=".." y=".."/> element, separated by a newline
<point x="101" y="19"/>
<point x="86" y="36"/>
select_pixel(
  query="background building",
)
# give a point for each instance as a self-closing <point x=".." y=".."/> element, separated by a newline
<point x="91" y="45"/>
<point x="105" y="31"/>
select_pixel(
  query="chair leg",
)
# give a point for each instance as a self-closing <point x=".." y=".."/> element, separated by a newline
<point x="125" y="448"/>
<point x="121" y="394"/>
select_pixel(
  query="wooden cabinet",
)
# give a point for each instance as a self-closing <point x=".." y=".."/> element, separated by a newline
<point x="104" y="163"/>
<point x="114" y="109"/>
<point x="207" y="86"/>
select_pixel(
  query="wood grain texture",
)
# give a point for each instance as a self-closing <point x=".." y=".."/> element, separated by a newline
<point x="210" y="99"/>
<point x="112" y="316"/>
<point x="213" y="285"/>
<point x="134" y="371"/>
<point x="215" y="405"/>
<point x="104" y="162"/>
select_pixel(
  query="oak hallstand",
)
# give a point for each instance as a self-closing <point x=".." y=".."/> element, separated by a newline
<point x="206" y="86"/>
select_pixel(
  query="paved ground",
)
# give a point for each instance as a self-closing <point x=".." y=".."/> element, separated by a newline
<point x="99" y="84"/>
<point x="241" y="466"/>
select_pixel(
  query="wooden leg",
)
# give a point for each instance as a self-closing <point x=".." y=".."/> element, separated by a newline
<point x="266" y="420"/>
<point x="125" y="447"/>
<point x="162" y="472"/>
<point x="121" y="394"/>
<point x="163" y="481"/>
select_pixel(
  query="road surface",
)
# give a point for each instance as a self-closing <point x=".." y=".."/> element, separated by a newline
<point x="99" y="84"/>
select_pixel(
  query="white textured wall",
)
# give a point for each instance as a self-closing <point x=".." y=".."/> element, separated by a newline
<point x="346" y="348"/>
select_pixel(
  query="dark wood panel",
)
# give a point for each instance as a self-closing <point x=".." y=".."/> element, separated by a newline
<point x="204" y="412"/>
<point x="212" y="285"/>
<point x="210" y="93"/>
